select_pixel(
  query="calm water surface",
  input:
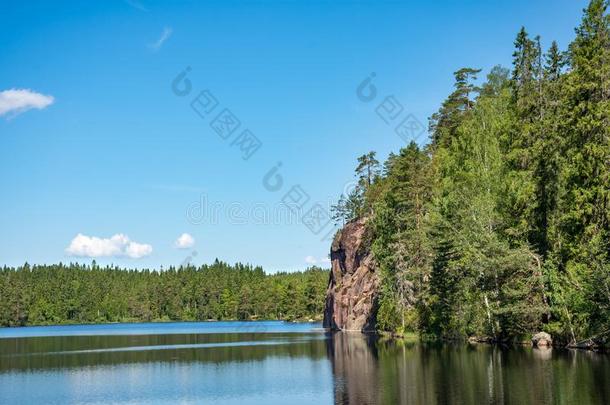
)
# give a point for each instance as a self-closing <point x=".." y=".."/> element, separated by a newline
<point x="280" y="363"/>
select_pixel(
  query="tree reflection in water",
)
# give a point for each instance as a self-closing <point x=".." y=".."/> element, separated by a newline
<point x="368" y="370"/>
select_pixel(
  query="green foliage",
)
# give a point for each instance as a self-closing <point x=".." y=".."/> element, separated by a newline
<point x="388" y="314"/>
<point x="401" y="245"/>
<point x="580" y="233"/>
<point x="74" y="293"/>
<point x="501" y="226"/>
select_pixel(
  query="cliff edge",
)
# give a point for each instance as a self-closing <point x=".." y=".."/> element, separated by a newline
<point x="351" y="298"/>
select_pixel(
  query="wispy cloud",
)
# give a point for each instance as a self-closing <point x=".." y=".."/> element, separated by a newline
<point x="167" y="32"/>
<point x="185" y="241"/>
<point x="136" y="4"/>
<point x="311" y="260"/>
<point x="17" y="101"/>
<point x="118" y="245"/>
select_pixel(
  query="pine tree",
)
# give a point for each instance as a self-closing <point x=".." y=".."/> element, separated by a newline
<point x="367" y="169"/>
<point x="519" y="141"/>
<point x="444" y="123"/>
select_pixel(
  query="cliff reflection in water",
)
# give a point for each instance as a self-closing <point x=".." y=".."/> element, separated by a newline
<point x="370" y="371"/>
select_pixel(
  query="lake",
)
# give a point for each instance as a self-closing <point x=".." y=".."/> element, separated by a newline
<point x="281" y="363"/>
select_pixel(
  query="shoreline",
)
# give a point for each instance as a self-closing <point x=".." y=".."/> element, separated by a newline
<point x="392" y="336"/>
<point x="159" y="321"/>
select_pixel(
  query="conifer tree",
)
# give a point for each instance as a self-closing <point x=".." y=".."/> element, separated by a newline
<point x="581" y="237"/>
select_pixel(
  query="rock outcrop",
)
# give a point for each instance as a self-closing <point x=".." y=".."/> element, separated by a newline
<point x="351" y="298"/>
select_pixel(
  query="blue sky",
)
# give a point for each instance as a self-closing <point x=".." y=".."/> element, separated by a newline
<point x="93" y="141"/>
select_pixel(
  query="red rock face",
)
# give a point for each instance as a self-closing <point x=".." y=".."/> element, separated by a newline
<point x="351" y="298"/>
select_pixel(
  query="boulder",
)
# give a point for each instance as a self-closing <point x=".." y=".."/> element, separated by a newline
<point x="542" y="339"/>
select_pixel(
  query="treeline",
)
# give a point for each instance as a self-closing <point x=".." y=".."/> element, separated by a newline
<point x="58" y="294"/>
<point x="500" y="226"/>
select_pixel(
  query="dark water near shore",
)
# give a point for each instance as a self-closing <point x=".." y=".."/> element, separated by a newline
<point x="281" y="363"/>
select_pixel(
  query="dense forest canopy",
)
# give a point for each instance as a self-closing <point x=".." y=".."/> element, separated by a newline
<point x="500" y="226"/>
<point x="57" y="294"/>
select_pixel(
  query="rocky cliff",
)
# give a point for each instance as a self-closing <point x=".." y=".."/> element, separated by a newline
<point x="351" y="298"/>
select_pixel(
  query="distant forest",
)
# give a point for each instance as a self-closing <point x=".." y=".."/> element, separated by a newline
<point x="500" y="226"/>
<point x="60" y="294"/>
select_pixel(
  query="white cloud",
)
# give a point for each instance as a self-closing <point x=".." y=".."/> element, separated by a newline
<point x="118" y="245"/>
<point x="325" y="260"/>
<point x="136" y="250"/>
<point x="167" y="32"/>
<point x="16" y="101"/>
<point x="185" y="241"/>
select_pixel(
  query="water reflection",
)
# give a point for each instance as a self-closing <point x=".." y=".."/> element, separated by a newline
<point x="355" y="368"/>
<point x="56" y="352"/>
<point x="291" y="366"/>
<point x="367" y="370"/>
